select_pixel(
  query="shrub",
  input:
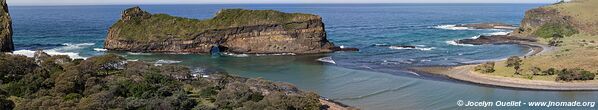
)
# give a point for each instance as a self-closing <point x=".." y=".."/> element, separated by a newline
<point x="14" y="67"/>
<point x="5" y="103"/>
<point x="536" y="71"/>
<point x="61" y="83"/>
<point x="548" y="30"/>
<point x="575" y="74"/>
<point x="550" y="71"/>
<point x="515" y="62"/>
<point x="487" y="67"/>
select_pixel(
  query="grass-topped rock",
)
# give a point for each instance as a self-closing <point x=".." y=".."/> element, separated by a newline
<point x="233" y="30"/>
<point x="562" y="19"/>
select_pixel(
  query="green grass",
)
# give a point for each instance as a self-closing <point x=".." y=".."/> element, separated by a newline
<point x="580" y="44"/>
<point x="577" y="51"/>
<point x="162" y="26"/>
<point x="583" y="13"/>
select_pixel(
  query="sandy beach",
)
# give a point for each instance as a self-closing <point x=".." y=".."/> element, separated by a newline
<point x="332" y="105"/>
<point x="465" y="73"/>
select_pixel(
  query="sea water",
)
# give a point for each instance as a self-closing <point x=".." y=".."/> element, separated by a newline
<point x="374" y="78"/>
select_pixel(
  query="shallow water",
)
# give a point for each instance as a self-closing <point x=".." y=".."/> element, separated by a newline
<point x="374" y="78"/>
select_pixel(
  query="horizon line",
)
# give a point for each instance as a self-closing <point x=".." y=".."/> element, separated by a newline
<point x="253" y="3"/>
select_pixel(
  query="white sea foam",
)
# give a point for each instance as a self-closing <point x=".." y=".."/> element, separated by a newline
<point x="248" y="55"/>
<point x="452" y="27"/>
<point x="277" y="54"/>
<point x="64" y="50"/>
<point x="31" y="53"/>
<point x="476" y="37"/>
<point x="452" y="42"/>
<point x="416" y="48"/>
<point x="327" y="60"/>
<point x="133" y="60"/>
<point x="380" y="44"/>
<point x="411" y="72"/>
<point x="135" y="53"/>
<point x="71" y="46"/>
<point x="100" y="49"/>
<point x="498" y="33"/>
<point x="235" y="55"/>
<point x="167" y="62"/>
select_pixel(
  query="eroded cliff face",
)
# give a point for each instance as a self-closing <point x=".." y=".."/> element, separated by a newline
<point x="536" y="21"/>
<point x="6" y="44"/>
<point x="564" y="19"/>
<point x="232" y="30"/>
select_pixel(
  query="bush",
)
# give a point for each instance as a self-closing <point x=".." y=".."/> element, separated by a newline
<point x="14" y="67"/>
<point x="110" y="82"/>
<point x="536" y="71"/>
<point x="575" y="74"/>
<point x="548" y="30"/>
<point x="487" y="67"/>
<point x="5" y="103"/>
<point x="550" y="71"/>
<point x="515" y="62"/>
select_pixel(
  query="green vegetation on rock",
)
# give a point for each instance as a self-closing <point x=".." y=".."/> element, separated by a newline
<point x="159" y="27"/>
<point x="111" y="82"/>
<point x="549" y="30"/>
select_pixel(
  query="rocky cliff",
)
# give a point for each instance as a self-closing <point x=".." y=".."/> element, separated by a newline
<point x="564" y="19"/>
<point x="5" y="29"/>
<point x="232" y="30"/>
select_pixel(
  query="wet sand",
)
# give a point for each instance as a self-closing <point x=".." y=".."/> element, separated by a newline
<point x="332" y="105"/>
<point x="465" y="73"/>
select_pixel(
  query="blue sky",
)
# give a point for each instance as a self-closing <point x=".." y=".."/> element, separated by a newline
<point x="101" y="2"/>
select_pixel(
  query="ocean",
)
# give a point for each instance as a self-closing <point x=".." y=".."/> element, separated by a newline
<point x="374" y="78"/>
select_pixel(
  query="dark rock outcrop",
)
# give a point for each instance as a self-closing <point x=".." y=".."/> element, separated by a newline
<point x="496" y="39"/>
<point x="488" y="26"/>
<point x="6" y="44"/>
<point x="231" y="30"/>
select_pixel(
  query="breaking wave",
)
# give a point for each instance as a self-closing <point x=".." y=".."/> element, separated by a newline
<point x="100" y="49"/>
<point x="407" y="48"/>
<point x="452" y="42"/>
<point x="259" y="55"/>
<point x="327" y="60"/>
<point x="452" y="27"/>
<point x="167" y="62"/>
<point x="67" y="49"/>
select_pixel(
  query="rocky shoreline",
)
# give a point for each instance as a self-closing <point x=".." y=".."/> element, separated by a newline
<point x="488" y="26"/>
<point x="496" y="39"/>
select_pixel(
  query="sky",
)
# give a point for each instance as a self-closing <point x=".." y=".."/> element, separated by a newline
<point x="106" y="2"/>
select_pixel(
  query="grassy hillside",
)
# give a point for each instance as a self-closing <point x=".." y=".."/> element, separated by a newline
<point x="162" y="26"/>
<point x="578" y="51"/>
<point x="583" y="12"/>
